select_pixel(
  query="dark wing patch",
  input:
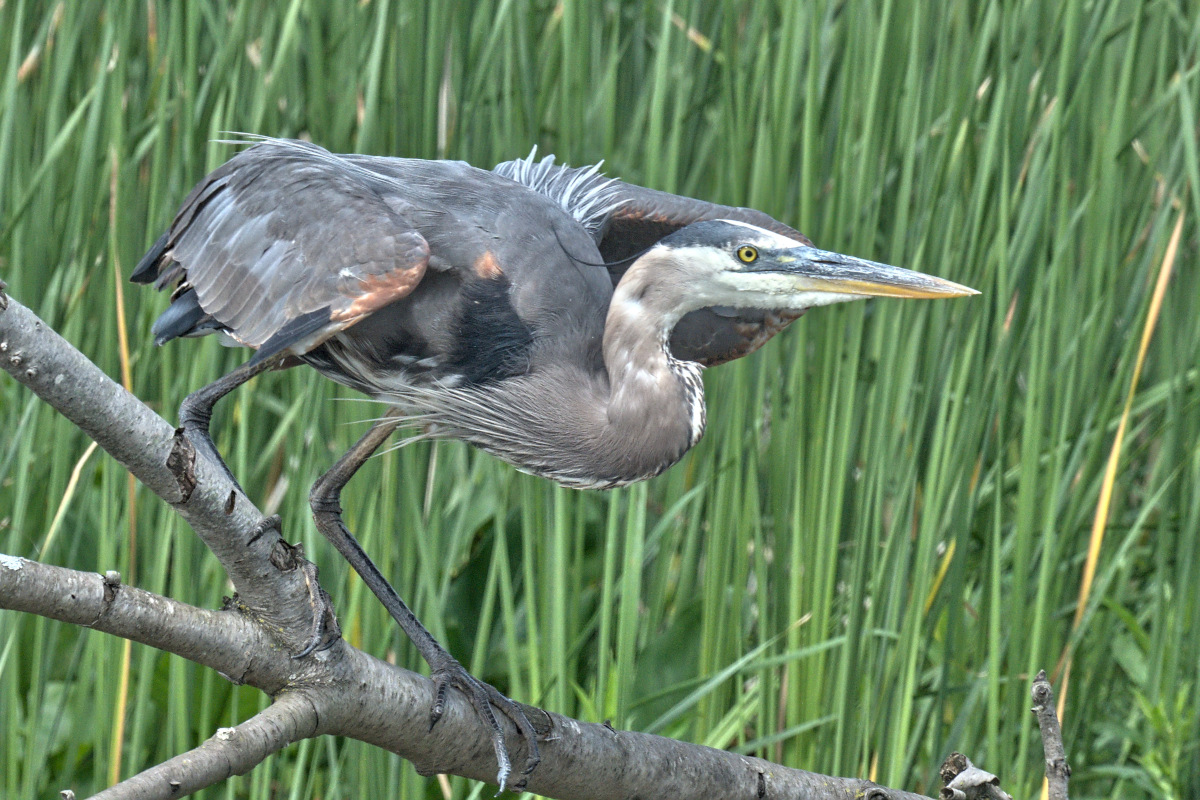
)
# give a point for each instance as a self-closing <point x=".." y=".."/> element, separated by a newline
<point x="713" y="336"/>
<point x="491" y="342"/>
<point x="286" y="244"/>
<point x="147" y="269"/>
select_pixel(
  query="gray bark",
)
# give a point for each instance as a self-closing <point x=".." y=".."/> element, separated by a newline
<point x="1058" y="772"/>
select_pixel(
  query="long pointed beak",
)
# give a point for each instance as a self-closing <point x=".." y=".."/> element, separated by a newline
<point x="822" y="271"/>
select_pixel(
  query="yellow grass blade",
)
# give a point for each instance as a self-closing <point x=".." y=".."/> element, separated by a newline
<point x="1100" y="522"/>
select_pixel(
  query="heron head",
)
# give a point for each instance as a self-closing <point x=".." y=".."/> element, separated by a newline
<point x="728" y="263"/>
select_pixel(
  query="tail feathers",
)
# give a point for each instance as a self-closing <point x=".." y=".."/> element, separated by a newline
<point x="184" y="317"/>
<point x="147" y="269"/>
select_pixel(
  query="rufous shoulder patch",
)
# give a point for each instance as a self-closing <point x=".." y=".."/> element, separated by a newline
<point x="486" y="266"/>
<point x="377" y="291"/>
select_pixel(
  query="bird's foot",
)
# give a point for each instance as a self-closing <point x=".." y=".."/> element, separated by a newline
<point x="195" y="413"/>
<point x="201" y="440"/>
<point x="325" y="630"/>
<point x="486" y="700"/>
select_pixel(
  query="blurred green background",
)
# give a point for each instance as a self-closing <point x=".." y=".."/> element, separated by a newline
<point x="884" y="533"/>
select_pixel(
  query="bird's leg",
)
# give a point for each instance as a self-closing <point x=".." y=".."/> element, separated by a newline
<point x="195" y="413"/>
<point x="444" y="668"/>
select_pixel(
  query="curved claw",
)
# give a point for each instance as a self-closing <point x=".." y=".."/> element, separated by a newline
<point x="325" y="630"/>
<point x="484" y="697"/>
<point x="316" y="639"/>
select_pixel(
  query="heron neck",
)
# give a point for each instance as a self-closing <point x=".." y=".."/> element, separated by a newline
<point x="654" y="399"/>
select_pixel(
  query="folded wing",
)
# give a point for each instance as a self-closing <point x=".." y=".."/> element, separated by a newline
<point x="283" y="246"/>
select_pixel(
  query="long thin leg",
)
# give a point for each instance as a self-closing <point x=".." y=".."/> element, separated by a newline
<point x="445" y="669"/>
<point x="195" y="413"/>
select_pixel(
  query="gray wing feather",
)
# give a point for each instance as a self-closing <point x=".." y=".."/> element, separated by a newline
<point x="286" y="230"/>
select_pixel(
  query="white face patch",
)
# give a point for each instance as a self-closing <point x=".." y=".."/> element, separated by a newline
<point x="775" y="290"/>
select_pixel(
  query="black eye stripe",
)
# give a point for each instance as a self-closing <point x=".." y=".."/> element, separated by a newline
<point x="711" y="233"/>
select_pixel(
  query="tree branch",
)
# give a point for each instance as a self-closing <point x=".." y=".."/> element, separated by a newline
<point x="1057" y="769"/>
<point x="230" y="751"/>
<point x="341" y="690"/>
<point x="221" y="640"/>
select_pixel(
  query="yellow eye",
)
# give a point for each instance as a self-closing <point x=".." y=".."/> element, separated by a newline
<point x="747" y="254"/>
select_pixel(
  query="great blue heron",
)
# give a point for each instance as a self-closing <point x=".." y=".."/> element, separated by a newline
<point x="545" y="314"/>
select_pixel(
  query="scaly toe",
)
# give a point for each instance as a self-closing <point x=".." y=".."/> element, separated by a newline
<point x="484" y="698"/>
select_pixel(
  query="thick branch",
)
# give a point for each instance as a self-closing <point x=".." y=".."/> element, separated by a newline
<point x="340" y="690"/>
<point x="221" y="640"/>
